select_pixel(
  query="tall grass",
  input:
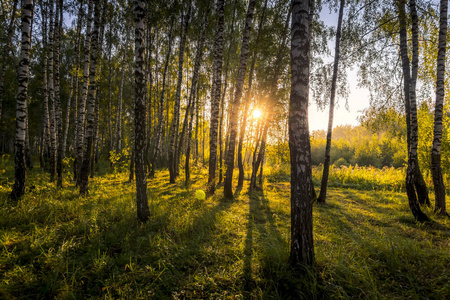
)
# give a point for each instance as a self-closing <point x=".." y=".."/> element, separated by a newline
<point x="57" y="245"/>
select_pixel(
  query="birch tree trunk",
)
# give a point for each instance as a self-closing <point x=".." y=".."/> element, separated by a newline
<point x="111" y="138"/>
<point x="159" y="130"/>
<point x="118" y="131"/>
<point x="21" y="102"/>
<point x="176" y="113"/>
<point x="419" y="182"/>
<point x="97" y="102"/>
<point x="74" y="78"/>
<point x="189" y="139"/>
<point x="302" y="245"/>
<point x="51" y="91"/>
<point x="412" y="162"/>
<point x="234" y="109"/>
<point x="194" y="82"/>
<point x="215" y="96"/>
<point x="6" y="50"/>
<point x="82" y="105"/>
<point x="84" y="173"/>
<point x="436" y="171"/>
<point x="222" y="101"/>
<point x="326" y="164"/>
<point x="58" y="110"/>
<point x="247" y="100"/>
<point x="46" y="120"/>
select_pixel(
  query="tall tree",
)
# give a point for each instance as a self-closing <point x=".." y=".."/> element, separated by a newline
<point x="118" y="131"/>
<point x="326" y="164"/>
<point x="74" y="78"/>
<point x="234" y="109"/>
<point x="419" y="182"/>
<point x="51" y="93"/>
<point x="21" y="101"/>
<point x="411" y="128"/>
<point x="222" y="100"/>
<point x="45" y="145"/>
<point x="89" y="138"/>
<point x="82" y="105"/>
<point x="302" y="245"/>
<point x="436" y="171"/>
<point x="58" y="109"/>
<point x="162" y="101"/>
<point x="6" y="50"/>
<point x="247" y="99"/>
<point x="176" y="114"/>
<point x="215" y="95"/>
<point x="140" y="112"/>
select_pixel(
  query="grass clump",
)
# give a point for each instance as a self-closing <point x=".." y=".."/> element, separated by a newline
<point x="57" y="245"/>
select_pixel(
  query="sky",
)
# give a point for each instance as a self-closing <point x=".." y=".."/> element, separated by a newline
<point x="358" y="99"/>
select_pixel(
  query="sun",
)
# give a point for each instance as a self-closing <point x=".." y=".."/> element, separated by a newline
<point x="256" y="113"/>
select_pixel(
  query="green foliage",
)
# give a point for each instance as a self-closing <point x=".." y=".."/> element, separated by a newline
<point x="120" y="160"/>
<point x="55" y="244"/>
<point x="341" y="162"/>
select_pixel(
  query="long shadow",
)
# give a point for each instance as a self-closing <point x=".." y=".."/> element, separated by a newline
<point x="259" y="214"/>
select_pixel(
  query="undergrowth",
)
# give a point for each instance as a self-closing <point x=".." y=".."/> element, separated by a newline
<point x="58" y="245"/>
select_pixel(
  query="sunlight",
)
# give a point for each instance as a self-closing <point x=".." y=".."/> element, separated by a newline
<point x="256" y="113"/>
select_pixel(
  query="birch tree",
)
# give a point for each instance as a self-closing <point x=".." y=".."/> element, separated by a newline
<point x="82" y="105"/>
<point x="21" y="101"/>
<point x="411" y="128"/>
<point x="436" y="171"/>
<point x="215" y="95"/>
<point x="89" y="138"/>
<point x="326" y="164"/>
<point x="234" y="109"/>
<point x="140" y="112"/>
<point x="176" y="114"/>
<point x="302" y="245"/>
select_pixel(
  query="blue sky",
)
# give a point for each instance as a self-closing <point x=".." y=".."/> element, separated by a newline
<point x="358" y="98"/>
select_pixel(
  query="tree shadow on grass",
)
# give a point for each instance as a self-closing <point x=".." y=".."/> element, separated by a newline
<point x="277" y="278"/>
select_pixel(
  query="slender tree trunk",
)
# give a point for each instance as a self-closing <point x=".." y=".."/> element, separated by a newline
<point x="194" y="82"/>
<point x="176" y="114"/>
<point x="149" y="79"/>
<point x="6" y="50"/>
<point x="51" y="91"/>
<point x="58" y="109"/>
<point x="28" y="160"/>
<point x="189" y="140"/>
<point x="302" y="245"/>
<point x="412" y="159"/>
<point x="215" y="96"/>
<point x="82" y="105"/>
<point x="118" y="131"/>
<point x="419" y="182"/>
<point x="97" y="102"/>
<point x="74" y="78"/>
<point x="140" y="113"/>
<point x="159" y="130"/>
<point x="84" y="173"/>
<point x="222" y="101"/>
<point x="326" y="164"/>
<point x="247" y="100"/>
<point x="234" y="109"/>
<point x="111" y="138"/>
<point x="46" y="120"/>
<point x="257" y="159"/>
<point x="436" y="171"/>
<point x="196" y="131"/>
<point x="21" y="102"/>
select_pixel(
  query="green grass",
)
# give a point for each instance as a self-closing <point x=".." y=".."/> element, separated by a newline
<point x="57" y="245"/>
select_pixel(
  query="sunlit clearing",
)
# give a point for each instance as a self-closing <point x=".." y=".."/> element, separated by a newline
<point x="256" y="113"/>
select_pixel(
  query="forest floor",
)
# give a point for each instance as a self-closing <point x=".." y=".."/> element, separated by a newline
<point x="58" y="245"/>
